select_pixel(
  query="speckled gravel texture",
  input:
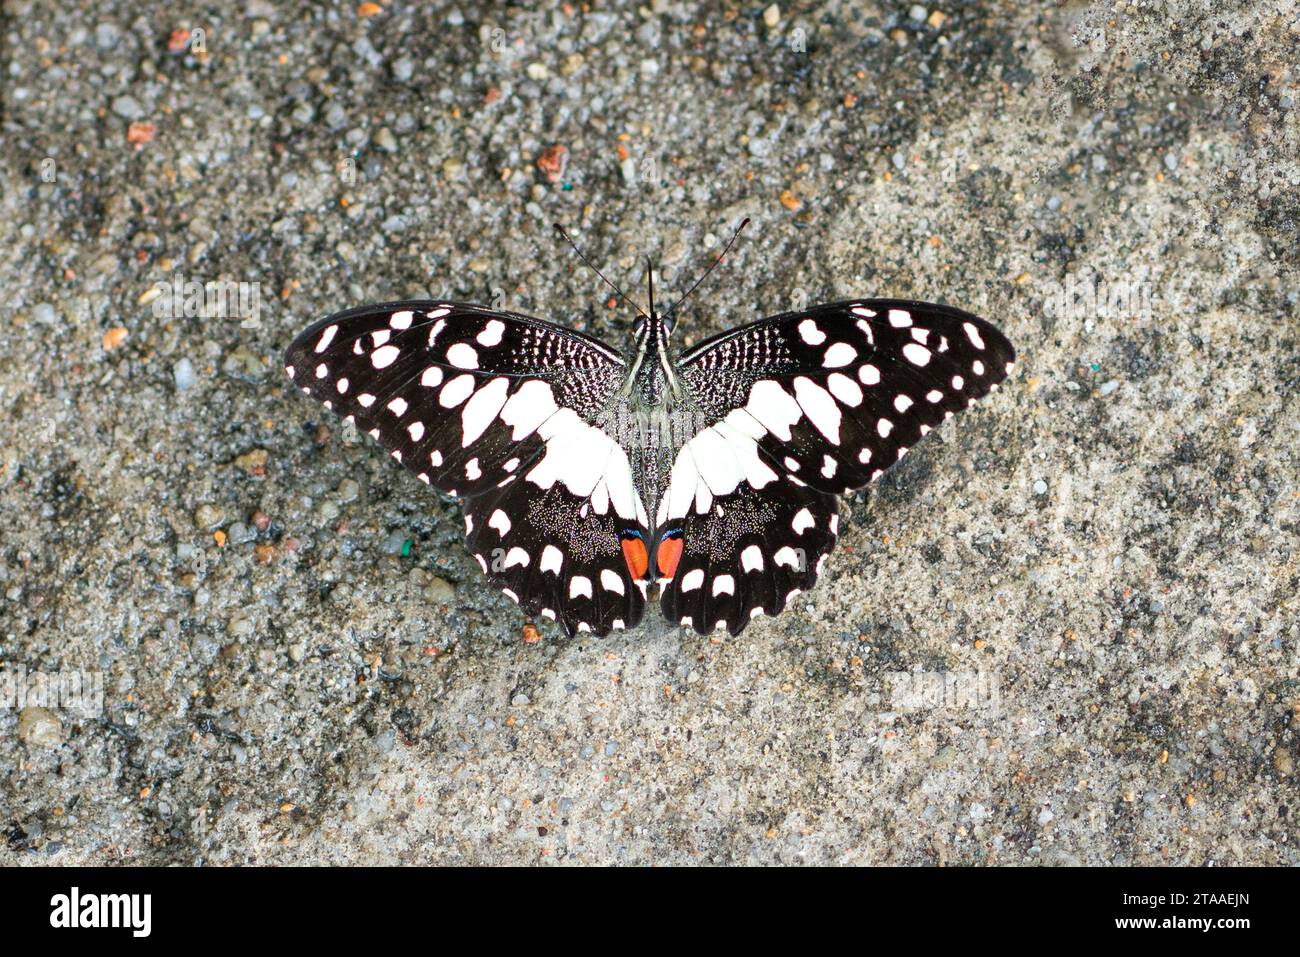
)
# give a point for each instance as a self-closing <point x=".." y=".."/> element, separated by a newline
<point x="1108" y="545"/>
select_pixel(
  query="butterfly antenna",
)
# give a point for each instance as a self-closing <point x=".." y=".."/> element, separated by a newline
<point x="650" y="282"/>
<point x="560" y="229"/>
<point x="721" y="255"/>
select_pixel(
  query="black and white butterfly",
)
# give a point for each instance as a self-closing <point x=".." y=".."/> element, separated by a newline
<point x="588" y="475"/>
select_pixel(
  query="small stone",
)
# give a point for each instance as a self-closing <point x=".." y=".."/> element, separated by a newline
<point x="253" y="462"/>
<point x="918" y="12"/>
<point x="40" y="727"/>
<point x="772" y="16"/>
<point x="385" y="140"/>
<point x="403" y="69"/>
<point x="241" y="534"/>
<point x="978" y="812"/>
<point x="1040" y="487"/>
<point x="128" y="107"/>
<point x="537" y="71"/>
<point x="1283" y="763"/>
<point x="335" y="116"/>
<point x="183" y="374"/>
<point x="208" y="517"/>
<point x="1045" y="816"/>
<point x="1108" y="387"/>
<point x="439" y="591"/>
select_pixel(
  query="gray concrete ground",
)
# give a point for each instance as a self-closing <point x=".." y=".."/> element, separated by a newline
<point x="1064" y="630"/>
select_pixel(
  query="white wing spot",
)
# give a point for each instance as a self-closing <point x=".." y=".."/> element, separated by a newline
<point x="416" y="429"/>
<point x="785" y="555"/>
<point x="500" y="521"/>
<point x="552" y="558"/>
<point x="773" y="408"/>
<point x="802" y="521"/>
<point x="326" y="338"/>
<point x="751" y="559"/>
<point x="472" y="471"/>
<point x="322" y="371"/>
<point x="397" y="407"/>
<point x="435" y="457"/>
<point x="463" y="356"/>
<point x="482" y="409"/>
<point x="829" y="465"/>
<point x="579" y="585"/>
<point x="437" y="327"/>
<point x="864" y="456"/>
<point x="869" y="374"/>
<point x="810" y="334"/>
<point x="693" y="579"/>
<point x="456" y="391"/>
<point x="839" y="355"/>
<point x="516" y="556"/>
<point x="902" y="402"/>
<point x="401" y="320"/>
<point x="384" y="356"/>
<point x="958" y="382"/>
<point x="900" y="318"/>
<point x="611" y="581"/>
<point x="724" y="583"/>
<point x="934" y="395"/>
<point x="916" y="354"/>
<point x="366" y="400"/>
<point x="977" y="367"/>
<point x="491" y="334"/>
<point x="342" y="385"/>
<point x="973" y="335"/>
<point x="844" y="389"/>
<point x="432" y="377"/>
<point x="884" y="427"/>
<point x="820" y="408"/>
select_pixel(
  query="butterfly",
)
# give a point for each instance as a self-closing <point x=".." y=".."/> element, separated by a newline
<point x="590" y="475"/>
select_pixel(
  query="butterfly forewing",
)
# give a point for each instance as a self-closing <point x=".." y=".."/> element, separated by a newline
<point x="500" y="409"/>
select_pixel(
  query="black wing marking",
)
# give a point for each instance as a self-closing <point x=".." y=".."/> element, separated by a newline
<point x="498" y="408"/>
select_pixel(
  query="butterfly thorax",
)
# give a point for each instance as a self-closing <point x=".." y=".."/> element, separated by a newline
<point x="651" y="416"/>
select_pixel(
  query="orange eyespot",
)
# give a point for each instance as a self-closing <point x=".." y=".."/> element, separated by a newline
<point x="669" y="554"/>
<point x="634" y="553"/>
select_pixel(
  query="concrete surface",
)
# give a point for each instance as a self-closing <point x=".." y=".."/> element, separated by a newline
<point x="1064" y="630"/>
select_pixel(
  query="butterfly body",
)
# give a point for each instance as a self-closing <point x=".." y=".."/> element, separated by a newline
<point x="591" y="477"/>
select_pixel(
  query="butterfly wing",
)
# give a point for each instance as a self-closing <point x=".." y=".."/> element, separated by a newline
<point x="806" y="406"/>
<point x="501" y="410"/>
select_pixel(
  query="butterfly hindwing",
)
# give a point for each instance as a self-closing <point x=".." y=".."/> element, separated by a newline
<point x="500" y="409"/>
<point x="578" y="577"/>
<point x="751" y="553"/>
